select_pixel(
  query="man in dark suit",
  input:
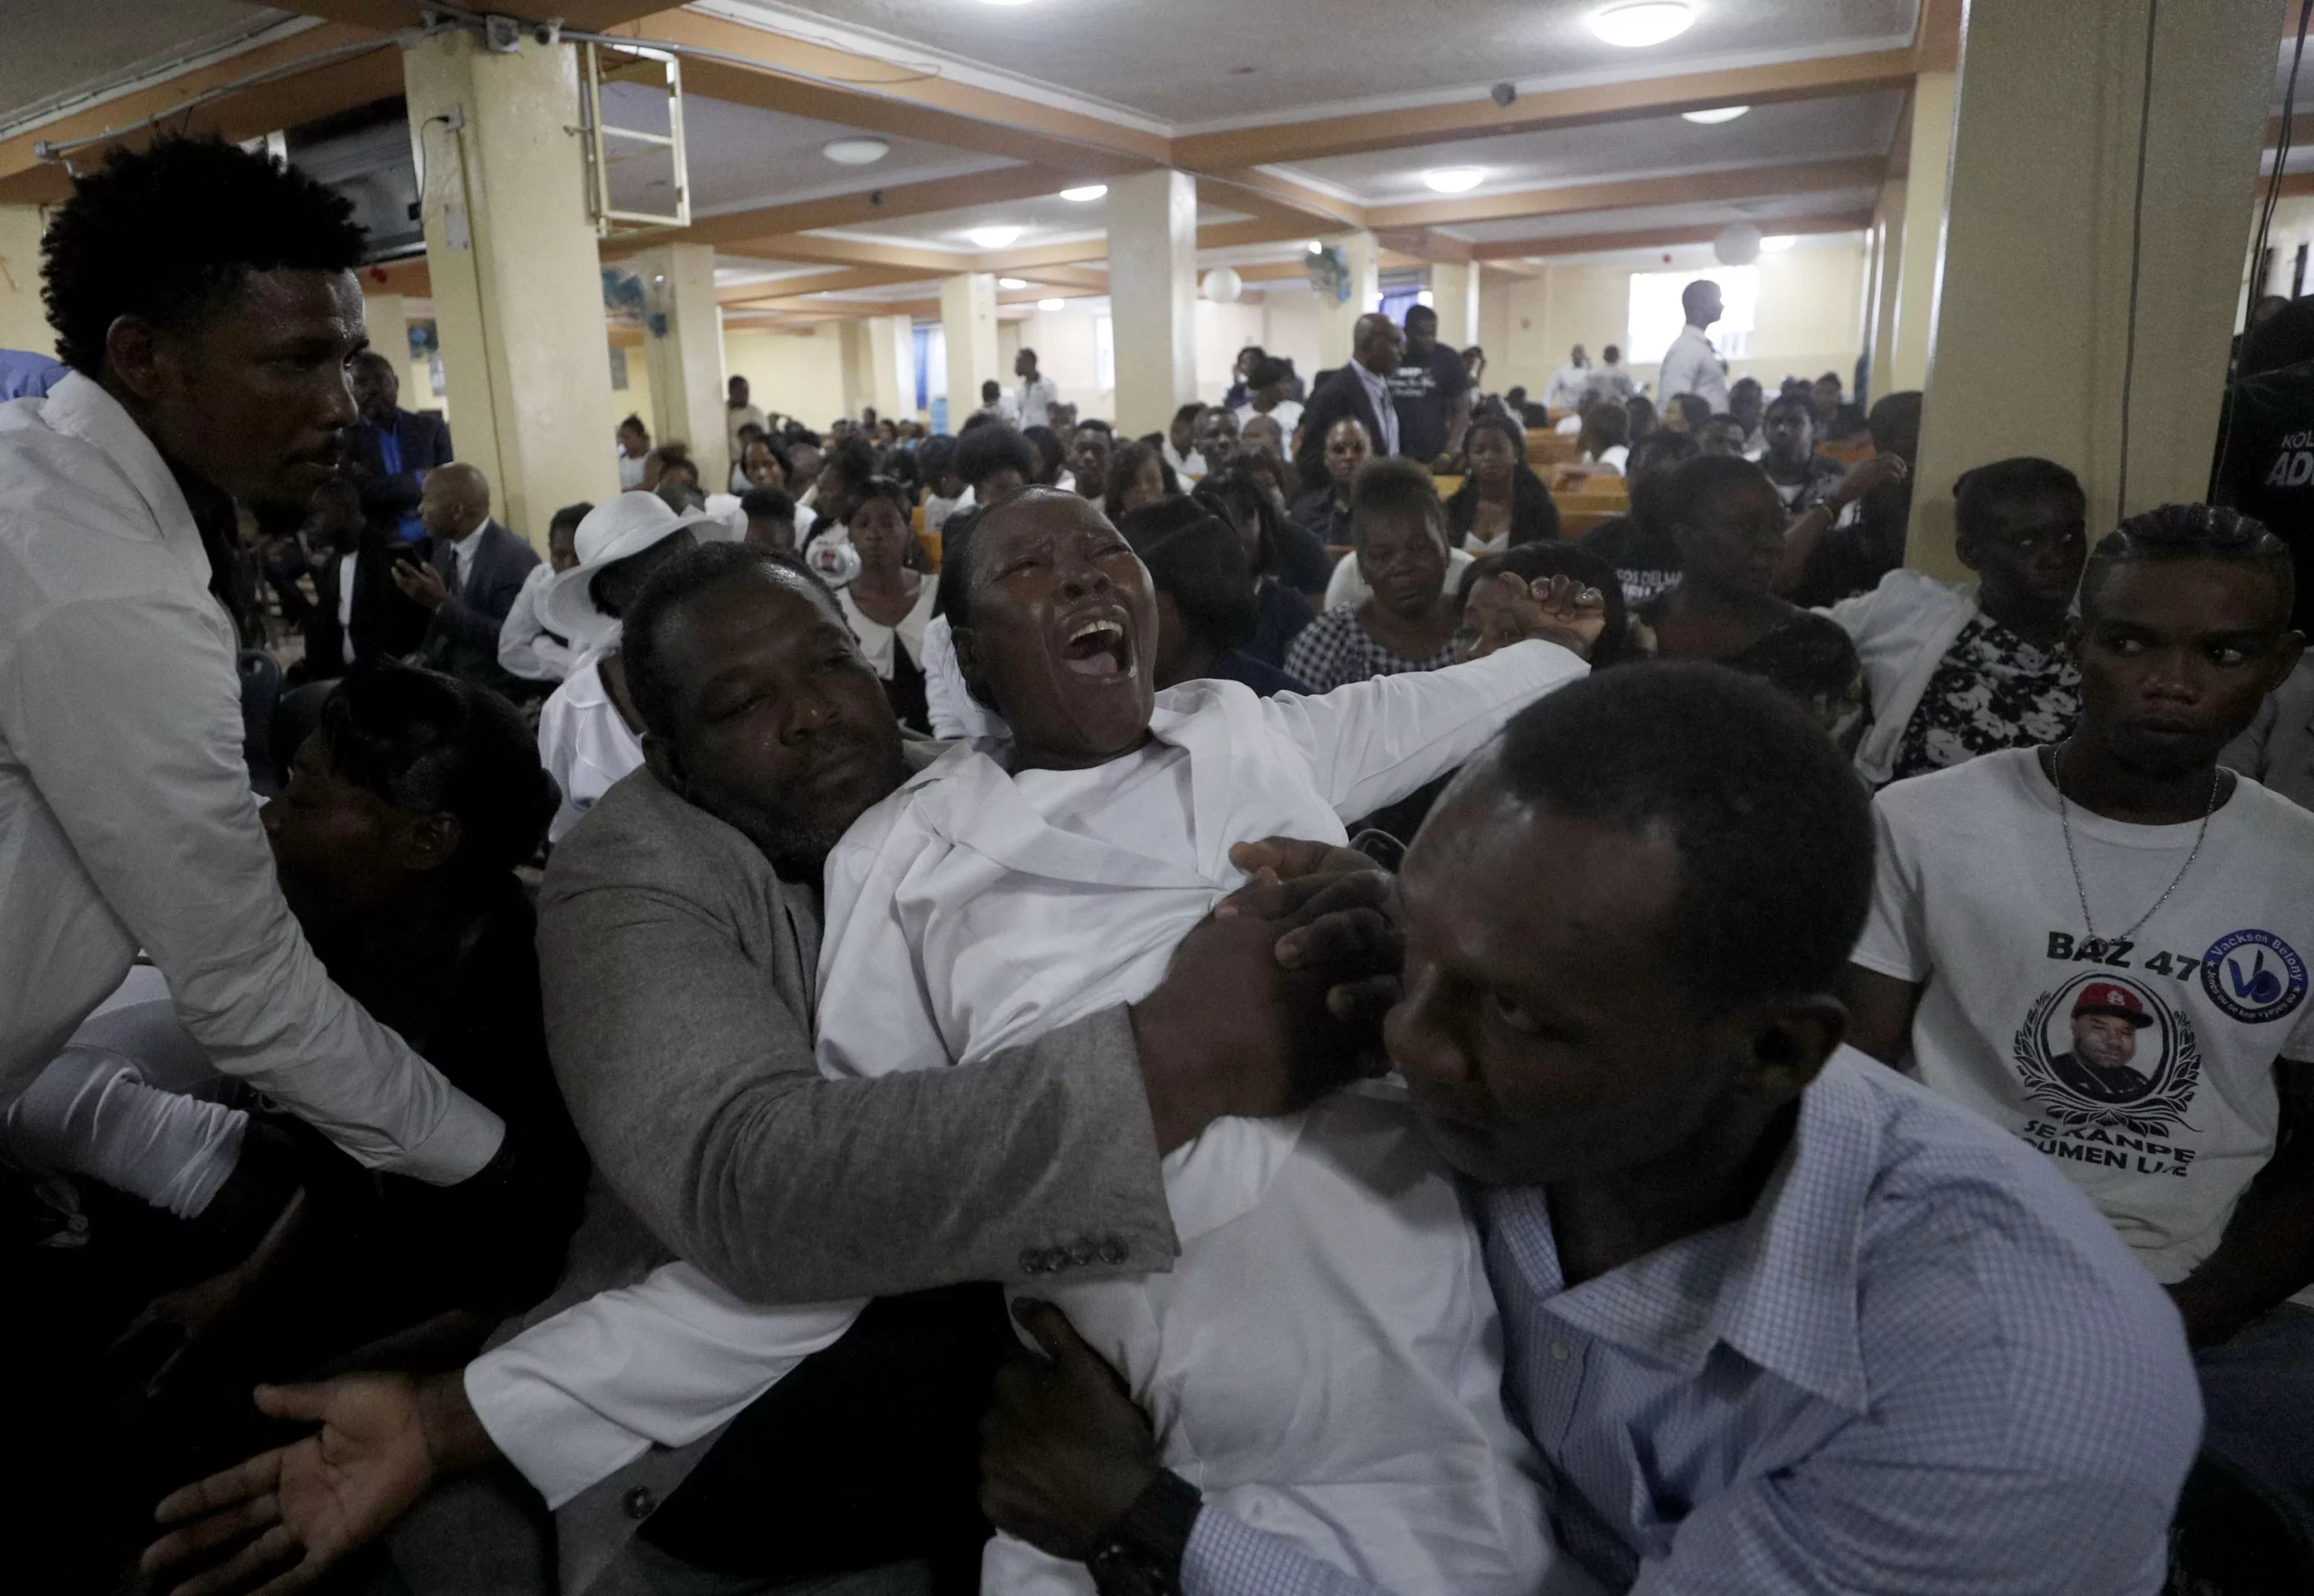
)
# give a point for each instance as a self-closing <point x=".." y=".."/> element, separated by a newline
<point x="359" y="612"/>
<point x="478" y="569"/>
<point x="1360" y="389"/>
<point x="386" y="440"/>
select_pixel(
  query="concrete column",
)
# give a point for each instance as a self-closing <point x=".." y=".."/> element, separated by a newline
<point x="24" y="322"/>
<point x="386" y="318"/>
<point x="1454" y="296"/>
<point x="682" y="353"/>
<point x="1888" y="241"/>
<point x="1921" y="250"/>
<point x="518" y="298"/>
<point x="891" y="367"/>
<point x="968" y="319"/>
<point x="1152" y="296"/>
<point x="1337" y="320"/>
<point x="2030" y="339"/>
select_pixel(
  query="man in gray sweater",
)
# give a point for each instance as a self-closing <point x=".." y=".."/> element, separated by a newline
<point x="679" y="943"/>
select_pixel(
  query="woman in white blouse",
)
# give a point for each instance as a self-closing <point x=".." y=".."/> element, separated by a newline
<point x="888" y="604"/>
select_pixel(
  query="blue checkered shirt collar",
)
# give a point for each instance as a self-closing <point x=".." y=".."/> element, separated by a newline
<point x="1778" y="1287"/>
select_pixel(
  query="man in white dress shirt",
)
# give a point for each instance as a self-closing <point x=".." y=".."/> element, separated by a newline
<point x="1566" y="388"/>
<point x="207" y="302"/>
<point x="1038" y="393"/>
<point x="1691" y="365"/>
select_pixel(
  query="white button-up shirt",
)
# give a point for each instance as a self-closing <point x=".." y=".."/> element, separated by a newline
<point x="126" y="815"/>
<point x="1692" y="366"/>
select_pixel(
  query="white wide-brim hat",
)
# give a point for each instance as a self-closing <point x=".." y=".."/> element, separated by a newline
<point x="611" y="531"/>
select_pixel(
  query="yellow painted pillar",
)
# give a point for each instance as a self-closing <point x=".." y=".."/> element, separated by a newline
<point x="1921" y="251"/>
<point x="890" y="375"/>
<point x="518" y="298"/>
<point x="1887" y="245"/>
<point x="1454" y="296"/>
<point x="1337" y="320"/>
<point x="386" y="318"/>
<point x="24" y="322"/>
<point x="851" y="353"/>
<point x="1152" y="296"/>
<point x="968" y="322"/>
<point x="2031" y="337"/>
<point x="682" y="353"/>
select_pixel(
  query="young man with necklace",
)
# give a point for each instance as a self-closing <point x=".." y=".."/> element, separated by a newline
<point x="2101" y="945"/>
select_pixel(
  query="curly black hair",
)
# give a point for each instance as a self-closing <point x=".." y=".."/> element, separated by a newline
<point x="169" y="233"/>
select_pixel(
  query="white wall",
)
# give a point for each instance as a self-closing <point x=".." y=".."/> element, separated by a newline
<point x="1809" y="317"/>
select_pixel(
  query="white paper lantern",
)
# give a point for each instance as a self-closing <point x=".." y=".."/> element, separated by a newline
<point x="1738" y="244"/>
<point x="1223" y="285"/>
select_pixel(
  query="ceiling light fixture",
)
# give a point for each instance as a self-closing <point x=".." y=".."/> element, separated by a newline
<point x="992" y="237"/>
<point x="1010" y="284"/>
<point x="1314" y="247"/>
<point x="1649" y="22"/>
<point x="855" y="152"/>
<point x="1049" y="305"/>
<point x="1086" y="193"/>
<point x="1715" y="115"/>
<point x="1781" y="242"/>
<point x="1454" y="180"/>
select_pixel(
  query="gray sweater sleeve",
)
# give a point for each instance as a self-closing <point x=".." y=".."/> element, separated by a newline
<point x="690" y="1075"/>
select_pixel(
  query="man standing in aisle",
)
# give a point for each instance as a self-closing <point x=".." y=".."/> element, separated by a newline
<point x="1566" y="387"/>
<point x="1431" y="389"/>
<point x="1360" y="389"/>
<point x="391" y="441"/>
<point x="1691" y="365"/>
<point x="1038" y="394"/>
<point x="739" y="410"/>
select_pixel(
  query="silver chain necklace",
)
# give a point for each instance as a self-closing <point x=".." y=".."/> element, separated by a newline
<point x="2065" y="820"/>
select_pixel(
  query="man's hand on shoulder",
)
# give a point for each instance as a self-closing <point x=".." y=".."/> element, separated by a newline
<point x="1277" y="999"/>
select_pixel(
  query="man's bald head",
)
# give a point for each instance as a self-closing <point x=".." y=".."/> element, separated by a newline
<point x="455" y="501"/>
<point x="1376" y="343"/>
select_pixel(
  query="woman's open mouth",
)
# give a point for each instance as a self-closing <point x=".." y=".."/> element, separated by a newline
<point x="1098" y="648"/>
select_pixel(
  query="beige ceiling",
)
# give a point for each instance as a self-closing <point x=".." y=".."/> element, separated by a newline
<point x="1191" y="62"/>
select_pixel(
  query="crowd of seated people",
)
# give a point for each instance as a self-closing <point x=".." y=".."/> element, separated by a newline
<point x="1577" y="1028"/>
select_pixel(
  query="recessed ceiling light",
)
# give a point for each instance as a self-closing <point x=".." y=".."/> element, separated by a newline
<point x="1649" y="22"/>
<point x="1089" y="192"/>
<point x="855" y="152"/>
<point x="1784" y="241"/>
<point x="1716" y="114"/>
<point x="1010" y="284"/>
<point x="992" y="237"/>
<point x="1454" y="180"/>
<point x="1051" y="304"/>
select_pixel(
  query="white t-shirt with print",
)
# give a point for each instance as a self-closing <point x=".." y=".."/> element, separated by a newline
<point x="2146" y="1068"/>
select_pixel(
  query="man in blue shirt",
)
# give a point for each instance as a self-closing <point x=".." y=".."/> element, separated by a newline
<point x="388" y="440"/>
<point x="1775" y="1317"/>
